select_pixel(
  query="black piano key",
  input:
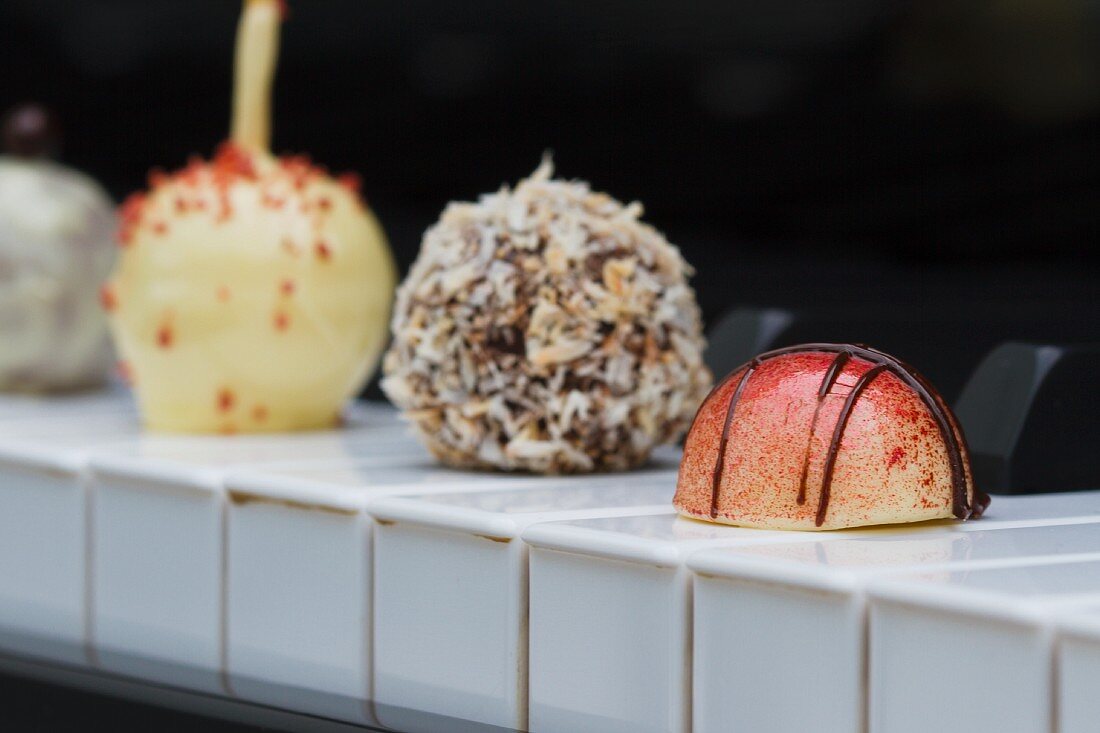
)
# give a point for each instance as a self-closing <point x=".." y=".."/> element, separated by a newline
<point x="945" y="346"/>
<point x="1030" y="414"/>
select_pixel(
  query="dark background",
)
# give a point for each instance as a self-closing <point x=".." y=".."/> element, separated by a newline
<point x="927" y="162"/>
<point x="932" y="157"/>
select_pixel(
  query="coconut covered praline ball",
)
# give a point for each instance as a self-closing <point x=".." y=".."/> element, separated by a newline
<point x="253" y="292"/>
<point x="546" y="328"/>
<point x="56" y="245"/>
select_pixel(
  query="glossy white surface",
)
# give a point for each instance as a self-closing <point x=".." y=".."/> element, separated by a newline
<point x="1078" y="670"/>
<point x="158" y="512"/>
<point x="252" y="556"/>
<point x="610" y="620"/>
<point x="299" y="571"/>
<point x="450" y="617"/>
<point x="978" y="642"/>
<point x="81" y="404"/>
<point x="774" y="618"/>
<point x="43" y="524"/>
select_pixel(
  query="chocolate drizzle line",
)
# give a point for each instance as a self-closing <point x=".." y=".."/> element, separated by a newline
<point x="838" y="432"/>
<point x="827" y="383"/>
<point x="961" y="505"/>
<point x="716" y="477"/>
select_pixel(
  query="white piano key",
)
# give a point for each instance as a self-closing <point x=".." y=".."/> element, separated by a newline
<point x="450" y="590"/>
<point x="43" y="533"/>
<point x="299" y="574"/>
<point x="157" y="512"/>
<point x="779" y="618"/>
<point x="968" y="650"/>
<point x="115" y="398"/>
<point x="610" y="619"/>
<point x="1078" y="670"/>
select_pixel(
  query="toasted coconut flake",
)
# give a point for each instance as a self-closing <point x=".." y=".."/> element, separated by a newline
<point x="545" y="328"/>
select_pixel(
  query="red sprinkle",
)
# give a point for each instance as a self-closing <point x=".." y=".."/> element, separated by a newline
<point x="165" y="336"/>
<point x="129" y="216"/>
<point x="232" y="160"/>
<point x="160" y="227"/>
<point x="225" y="400"/>
<point x="107" y="298"/>
<point x="324" y="203"/>
<point x="259" y="413"/>
<point x="286" y="287"/>
<point x="223" y="293"/>
<point x="282" y="321"/>
<point x="125" y="373"/>
<point x="350" y="181"/>
<point x="289" y="247"/>
<point x="323" y="251"/>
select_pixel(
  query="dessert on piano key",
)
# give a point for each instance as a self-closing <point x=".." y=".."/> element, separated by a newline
<point x="546" y="328"/>
<point x="825" y="436"/>
<point x="56" y="246"/>
<point x="253" y="292"/>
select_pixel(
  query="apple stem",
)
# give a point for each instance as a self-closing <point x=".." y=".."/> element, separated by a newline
<point x="253" y="71"/>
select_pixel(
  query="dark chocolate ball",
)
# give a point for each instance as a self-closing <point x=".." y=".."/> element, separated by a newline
<point x="31" y="131"/>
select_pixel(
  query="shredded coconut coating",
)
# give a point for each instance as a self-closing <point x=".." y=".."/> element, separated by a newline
<point x="546" y="329"/>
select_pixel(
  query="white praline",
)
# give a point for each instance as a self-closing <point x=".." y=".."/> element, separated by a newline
<point x="56" y="246"/>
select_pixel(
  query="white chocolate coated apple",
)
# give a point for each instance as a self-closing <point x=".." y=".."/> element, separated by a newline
<point x="252" y="294"/>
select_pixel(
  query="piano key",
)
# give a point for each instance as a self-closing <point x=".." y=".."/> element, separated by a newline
<point x="1030" y="417"/>
<point x="157" y="512"/>
<point x="450" y="590"/>
<point x="298" y="577"/>
<point x="780" y="621"/>
<point x="965" y="650"/>
<point x="1078" y="669"/>
<point x="610" y="619"/>
<point x="113" y="399"/>
<point x="944" y="346"/>
<point x="43" y="531"/>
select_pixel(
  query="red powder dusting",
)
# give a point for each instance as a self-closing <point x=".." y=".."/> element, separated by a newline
<point x="324" y="203"/>
<point x="165" y="336"/>
<point x="323" y="251"/>
<point x="160" y="228"/>
<point x="259" y="413"/>
<point x="223" y="294"/>
<point x="289" y="247"/>
<point x="897" y="455"/>
<point x="181" y="205"/>
<point x="107" y="298"/>
<point x="286" y="287"/>
<point x="225" y="400"/>
<point x="282" y="321"/>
